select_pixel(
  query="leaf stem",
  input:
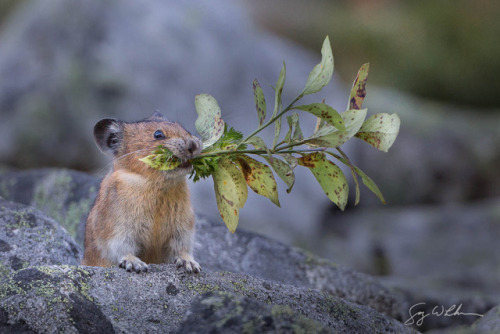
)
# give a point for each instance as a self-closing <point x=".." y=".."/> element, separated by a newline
<point x="336" y="156"/>
<point x="272" y="120"/>
<point x="261" y="152"/>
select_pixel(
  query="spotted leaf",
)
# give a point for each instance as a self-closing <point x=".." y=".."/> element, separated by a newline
<point x="259" y="144"/>
<point x="259" y="178"/>
<point x="209" y="123"/>
<point x="330" y="177"/>
<point x="284" y="171"/>
<point x="325" y="112"/>
<point x="322" y="73"/>
<point x="277" y="131"/>
<point x="329" y="136"/>
<point x="358" y="91"/>
<point x="380" y="130"/>
<point x="279" y="90"/>
<point x="230" y="192"/>
<point x="260" y="102"/>
<point x="293" y="125"/>
<point x="160" y="162"/>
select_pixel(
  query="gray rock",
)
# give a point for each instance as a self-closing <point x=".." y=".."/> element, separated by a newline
<point x="216" y="248"/>
<point x="30" y="238"/>
<point x="65" y="195"/>
<point x="249" y="253"/>
<point x="89" y="299"/>
<point x="218" y="312"/>
<point x="488" y="324"/>
<point x="437" y="255"/>
<point x="38" y="298"/>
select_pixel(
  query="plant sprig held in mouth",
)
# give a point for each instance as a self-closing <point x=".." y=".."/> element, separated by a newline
<point x="226" y="155"/>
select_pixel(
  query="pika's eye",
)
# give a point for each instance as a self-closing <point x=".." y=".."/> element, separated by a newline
<point x="159" y="135"/>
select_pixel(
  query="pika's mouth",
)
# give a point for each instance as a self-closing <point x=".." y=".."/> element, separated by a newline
<point x="185" y="164"/>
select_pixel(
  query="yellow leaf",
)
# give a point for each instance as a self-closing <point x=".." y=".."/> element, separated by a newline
<point x="259" y="178"/>
<point x="230" y="192"/>
<point x="330" y="177"/>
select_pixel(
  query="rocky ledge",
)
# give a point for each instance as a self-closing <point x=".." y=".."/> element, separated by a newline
<point x="249" y="283"/>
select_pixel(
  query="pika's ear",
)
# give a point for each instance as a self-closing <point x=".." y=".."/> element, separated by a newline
<point x="108" y="135"/>
<point x="157" y="115"/>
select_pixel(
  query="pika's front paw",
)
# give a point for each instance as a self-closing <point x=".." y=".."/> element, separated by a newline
<point x="130" y="262"/>
<point x="190" y="265"/>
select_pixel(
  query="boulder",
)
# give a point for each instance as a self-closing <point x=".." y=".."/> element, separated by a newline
<point x="42" y="289"/>
<point x="438" y="255"/>
<point x="250" y="253"/>
<point x="106" y="300"/>
<point x="489" y="323"/>
<point x="30" y="238"/>
<point x="67" y="194"/>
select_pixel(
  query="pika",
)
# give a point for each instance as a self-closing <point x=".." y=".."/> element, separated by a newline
<point x="142" y="215"/>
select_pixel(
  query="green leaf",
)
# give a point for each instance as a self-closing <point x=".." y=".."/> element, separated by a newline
<point x="334" y="139"/>
<point x="230" y="192"/>
<point x="353" y="173"/>
<point x="259" y="178"/>
<point x="159" y="162"/>
<point x="260" y="102"/>
<point x="209" y="123"/>
<point x="284" y="171"/>
<point x="380" y="130"/>
<point x="329" y="136"/>
<point x="324" y="111"/>
<point x="322" y="73"/>
<point x="297" y="133"/>
<point x="320" y="123"/>
<point x="356" y="183"/>
<point x="368" y="182"/>
<point x="358" y="91"/>
<point x="293" y="123"/>
<point x="330" y="177"/>
<point x="290" y="159"/>
<point x="288" y="136"/>
<point x="161" y="159"/>
<point x="259" y="144"/>
<point x="204" y="167"/>
<point x="353" y="120"/>
<point x="277" y="131"/>
<point x="279" y="90"/>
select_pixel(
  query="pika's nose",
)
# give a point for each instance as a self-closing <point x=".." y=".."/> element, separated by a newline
<point x="192" y="147"/>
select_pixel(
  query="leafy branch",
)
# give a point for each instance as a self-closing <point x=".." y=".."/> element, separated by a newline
<point x="226" y="153"/>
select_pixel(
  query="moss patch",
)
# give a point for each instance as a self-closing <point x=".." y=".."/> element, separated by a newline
<point x="52" y="195"/>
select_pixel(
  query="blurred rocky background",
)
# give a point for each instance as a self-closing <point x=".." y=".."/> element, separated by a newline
<point x="64" y="65"/>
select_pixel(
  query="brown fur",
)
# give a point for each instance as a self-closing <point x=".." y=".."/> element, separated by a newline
<point x="142" y="214"/>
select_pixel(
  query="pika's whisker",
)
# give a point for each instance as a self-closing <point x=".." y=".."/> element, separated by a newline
<point x="133" y="152"/>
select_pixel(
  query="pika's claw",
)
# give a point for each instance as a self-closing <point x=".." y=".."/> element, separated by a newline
<point x="130" y="262"/>
<point x="191" y="266"/>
